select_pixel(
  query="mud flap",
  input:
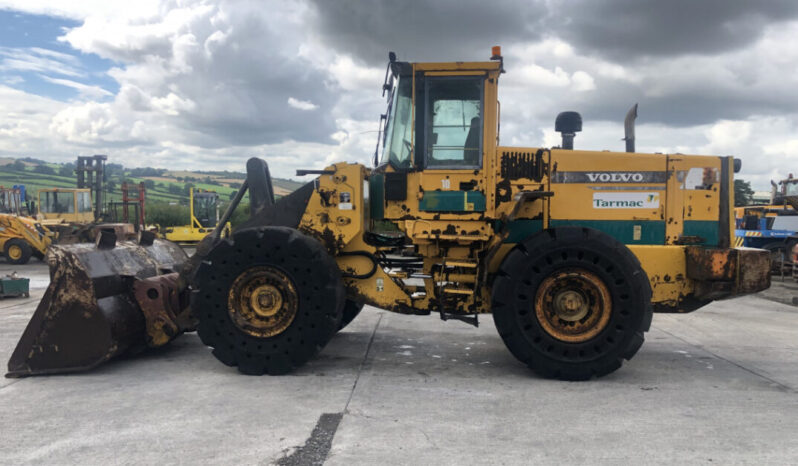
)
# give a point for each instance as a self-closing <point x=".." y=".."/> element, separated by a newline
<point x="104" y="300"/>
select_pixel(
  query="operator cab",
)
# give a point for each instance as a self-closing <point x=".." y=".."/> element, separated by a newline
<point x="439" y="141"/>
<point x="206" y="208"/>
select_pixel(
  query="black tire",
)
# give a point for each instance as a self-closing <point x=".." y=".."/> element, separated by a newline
<point x="319" y="299"/>
<point x="552" y="253"/>
<point x="25" y="248"/>
<point x="351" y="310"/>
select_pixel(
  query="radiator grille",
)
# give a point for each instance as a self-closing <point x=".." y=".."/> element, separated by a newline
<point x="522" y="164"/>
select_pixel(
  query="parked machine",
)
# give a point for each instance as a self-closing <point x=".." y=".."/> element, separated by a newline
<point x="570" y="250"/>
<point x="203" y="218"/>
<point x="132" y="208"/>
<point x="22" y="238"/>
<point x="772" y="227"/>
<point x="74" y="215"/>
<point x="13" y="200"/>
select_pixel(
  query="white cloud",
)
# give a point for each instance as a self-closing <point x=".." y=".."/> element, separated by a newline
<point x="302" y="104"/>
<point x="172" y="104"/>
<point x="727" y="135"/>
<point x="84" y="90"/>
<point x="206" y="84"/>
<point x="38" y="60"/>
<point x="581" y="81"/>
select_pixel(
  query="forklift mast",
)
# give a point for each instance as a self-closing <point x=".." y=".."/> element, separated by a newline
<point x="91" y="174"/>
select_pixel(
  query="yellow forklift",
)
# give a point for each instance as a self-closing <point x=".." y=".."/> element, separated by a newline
<point x="204" y="216"/>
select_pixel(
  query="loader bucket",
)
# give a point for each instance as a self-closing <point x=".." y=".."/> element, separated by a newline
<point x="104" y="300"/>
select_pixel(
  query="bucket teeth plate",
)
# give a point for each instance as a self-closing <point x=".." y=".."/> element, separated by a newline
<point x="89" y="312"/>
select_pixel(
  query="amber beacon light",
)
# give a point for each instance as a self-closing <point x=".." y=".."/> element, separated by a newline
<point x="496" y="52"/>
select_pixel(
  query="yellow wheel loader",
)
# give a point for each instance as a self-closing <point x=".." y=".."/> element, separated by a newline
<point x="570" y="250"/>
<point x="203" y="218"/>
<point x="21" y="238"/>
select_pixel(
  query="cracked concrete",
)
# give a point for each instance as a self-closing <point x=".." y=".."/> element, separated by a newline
<point x="717" y="385"/>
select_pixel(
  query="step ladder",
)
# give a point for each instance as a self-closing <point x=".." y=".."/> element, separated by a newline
<point x="456" y="280"/>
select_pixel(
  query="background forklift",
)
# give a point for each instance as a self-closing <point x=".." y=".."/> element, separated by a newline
<point x="75" y="215"/>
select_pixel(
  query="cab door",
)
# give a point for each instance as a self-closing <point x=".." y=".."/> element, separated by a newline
<point x="450" y="144"/>
<point x="697" y="201"/>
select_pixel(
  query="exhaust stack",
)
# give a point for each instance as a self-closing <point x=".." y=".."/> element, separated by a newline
<point x="568" y="124"/>
<point x="629" y="128"/>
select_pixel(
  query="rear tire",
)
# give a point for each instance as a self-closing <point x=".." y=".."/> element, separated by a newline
<point x="572" y="303"/>
<point x="302" y="293"/>
<point x="17" y="251"/>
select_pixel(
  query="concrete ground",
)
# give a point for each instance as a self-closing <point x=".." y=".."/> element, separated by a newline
<point x="717" y="386"/>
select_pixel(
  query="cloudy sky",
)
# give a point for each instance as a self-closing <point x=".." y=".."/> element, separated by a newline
<point x="207" y="84"/>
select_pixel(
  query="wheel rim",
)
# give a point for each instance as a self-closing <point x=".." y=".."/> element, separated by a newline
<point x="573" y="305"/>
<point x="263" y="302"/>
<point x="15" y="252"/>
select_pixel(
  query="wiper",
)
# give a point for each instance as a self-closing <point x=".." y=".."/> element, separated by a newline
<point x="385" y="85"/>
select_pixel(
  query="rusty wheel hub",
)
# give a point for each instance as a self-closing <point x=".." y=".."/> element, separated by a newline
<point x="573" y="305"/>
<point x="263" y="302"/>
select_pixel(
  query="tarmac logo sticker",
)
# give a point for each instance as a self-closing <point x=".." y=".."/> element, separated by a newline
<point x="625" y="200"/>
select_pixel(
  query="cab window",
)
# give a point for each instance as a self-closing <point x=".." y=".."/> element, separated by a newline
<point x="55" y="202"/>
<point x="84" y="202"/>
<point x="453" y="130"/>
<point x="700" y="178"/>
<point x="398" y="142"/>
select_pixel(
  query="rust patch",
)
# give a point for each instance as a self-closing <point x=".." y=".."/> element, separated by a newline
<point x="165" y="308"/>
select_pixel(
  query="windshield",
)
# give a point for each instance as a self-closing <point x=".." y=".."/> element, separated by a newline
<point x="54" y="202"/>
<point x="454" y="128"/>
<point x="205" y="209"/>
<point x="398" y="141"/>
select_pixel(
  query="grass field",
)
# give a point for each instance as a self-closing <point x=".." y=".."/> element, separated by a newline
<point x="167" y="193"/>
<point x="166" y="187"/>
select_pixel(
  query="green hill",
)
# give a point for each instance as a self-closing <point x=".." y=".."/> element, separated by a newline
<point x="166" y="190"/>
<point x="162" y="185"/>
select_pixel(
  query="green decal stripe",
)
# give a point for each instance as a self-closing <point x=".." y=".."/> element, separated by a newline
<point x="707" y="229"/>
<point x="520" y="229"/>
<point x="651" y="231"/>
<point x="452" y="201"/>
<point x="377" y="196"/>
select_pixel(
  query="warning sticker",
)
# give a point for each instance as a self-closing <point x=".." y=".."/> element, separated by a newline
<point x="625" y="200"/>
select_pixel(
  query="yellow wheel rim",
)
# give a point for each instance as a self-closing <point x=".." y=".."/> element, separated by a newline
<point x="263" y="302"/>
<point x="573" y="305"/>
<point x="15" y="252"/>
<point x="266" y="300"/>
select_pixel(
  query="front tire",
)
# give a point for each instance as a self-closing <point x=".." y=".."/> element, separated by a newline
<point x="17" y="251"/>
<point x="572" y="303"/>
<point x="350" y="311"/>
<point x="267" y="300"/>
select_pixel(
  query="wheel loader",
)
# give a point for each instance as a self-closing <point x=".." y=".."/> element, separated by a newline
<point x="571" y="251"/>
<point x="21" y="238"/>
